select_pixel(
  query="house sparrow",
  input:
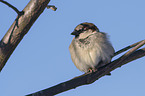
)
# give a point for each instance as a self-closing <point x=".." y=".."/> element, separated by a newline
<point x="90" y="48"/>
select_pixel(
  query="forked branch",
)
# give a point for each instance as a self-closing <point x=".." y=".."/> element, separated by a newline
<point x="20" y="27"/>
<point x="92" y="77"/>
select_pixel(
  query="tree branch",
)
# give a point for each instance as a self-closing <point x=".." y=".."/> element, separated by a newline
<point x="13" y="7"/>
<point x="126" y="48"/>
<point x="19" y="28"/>
<point x="92" y="77"/>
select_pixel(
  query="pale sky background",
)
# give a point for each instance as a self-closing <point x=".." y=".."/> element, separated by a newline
<point x="42" y="59"/>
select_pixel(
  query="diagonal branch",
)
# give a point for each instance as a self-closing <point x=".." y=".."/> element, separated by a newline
<point x="126" y="48"/>
<point x="92" y="77"/>
<point x="19" y="28"/>
<point x="141" y="43"/>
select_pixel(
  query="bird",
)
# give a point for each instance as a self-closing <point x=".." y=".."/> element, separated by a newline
<point x="90" y="49"/>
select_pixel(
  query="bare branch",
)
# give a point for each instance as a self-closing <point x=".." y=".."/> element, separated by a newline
<point x="122" y="58"/>
<point x="92" y="77"/>
<point x="126" y="48"/>
<point x="19" y="28"/>
<point x="13" y="7"/>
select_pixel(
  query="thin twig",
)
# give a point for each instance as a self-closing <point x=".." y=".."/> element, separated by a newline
<point x="141" y="43"/>
<point x="126" y="48"/>
<point x="13" y="7"/>
<point x="51" y="7"/>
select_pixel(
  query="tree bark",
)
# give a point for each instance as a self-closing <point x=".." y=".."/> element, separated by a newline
<point x="19" y="28"/>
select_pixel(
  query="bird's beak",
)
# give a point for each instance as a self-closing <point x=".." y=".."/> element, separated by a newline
<point x="75" y="33"/>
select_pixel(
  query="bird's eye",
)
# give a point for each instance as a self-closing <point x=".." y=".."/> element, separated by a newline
<point x="85" y="28"/>
<point x="80" y="29"/>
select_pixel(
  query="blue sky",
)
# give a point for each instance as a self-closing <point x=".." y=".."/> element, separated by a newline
<point x="42" y="58"/>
